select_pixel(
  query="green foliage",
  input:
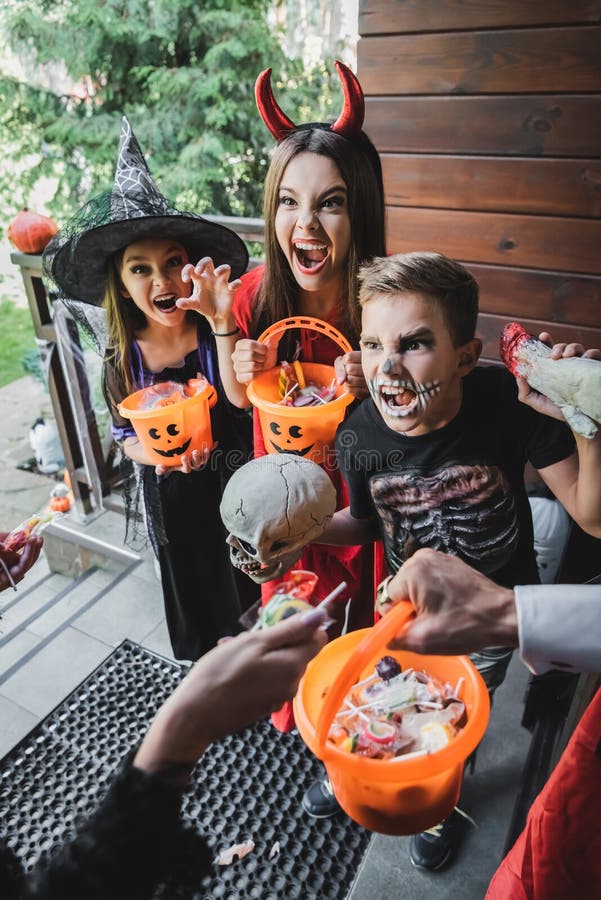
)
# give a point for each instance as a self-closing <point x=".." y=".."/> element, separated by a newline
<point x="18" y="341"/>
<point x="182" y="71"/>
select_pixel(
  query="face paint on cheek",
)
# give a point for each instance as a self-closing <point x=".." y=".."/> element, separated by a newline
<point x="400" y="397"/>
<point x="372" y="387"/>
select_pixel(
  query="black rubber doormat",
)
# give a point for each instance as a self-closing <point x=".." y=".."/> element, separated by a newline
<point x="248" y="786"/>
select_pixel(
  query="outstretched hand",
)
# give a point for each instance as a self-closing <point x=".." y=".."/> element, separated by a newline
<point x="458" y="610"/>
<point x="14" y="566"/>
<point x="534" y="398"/>
<point x="212" y="292"/>
<point x="236" y="683"/>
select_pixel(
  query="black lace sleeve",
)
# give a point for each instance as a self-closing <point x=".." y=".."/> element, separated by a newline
<point x="133" y="842"/>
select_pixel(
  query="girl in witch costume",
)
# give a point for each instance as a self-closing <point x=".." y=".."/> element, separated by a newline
<point x="324" y="216"/>
<point x="126" y="250"/>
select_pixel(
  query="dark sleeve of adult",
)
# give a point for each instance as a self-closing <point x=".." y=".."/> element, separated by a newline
<point x="133" y="842"/>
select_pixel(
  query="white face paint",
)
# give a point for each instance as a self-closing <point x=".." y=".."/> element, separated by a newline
<point x="273" y="507"/>
<point x="411" y="366"/>
<point x="399" y="397"/>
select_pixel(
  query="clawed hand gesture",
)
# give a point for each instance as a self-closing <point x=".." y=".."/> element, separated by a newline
<point x="212" y="291"/>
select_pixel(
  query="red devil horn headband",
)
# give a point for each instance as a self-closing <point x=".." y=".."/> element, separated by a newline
<point x="348" y="124"/>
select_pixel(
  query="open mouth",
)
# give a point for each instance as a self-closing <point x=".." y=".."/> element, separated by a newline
<point x="397" y="398"/>
<point x="257" y="571"/>
<point x="166" y="303"/>
<point x="175" y="450"/>
<point x="310" y="257"/>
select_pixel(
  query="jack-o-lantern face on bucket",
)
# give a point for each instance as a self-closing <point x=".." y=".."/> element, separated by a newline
<point x="289" y="437"/>
<point x="168" y="441"/>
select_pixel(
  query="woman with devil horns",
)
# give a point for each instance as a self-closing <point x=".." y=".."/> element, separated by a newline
<point x="324" y="216"/>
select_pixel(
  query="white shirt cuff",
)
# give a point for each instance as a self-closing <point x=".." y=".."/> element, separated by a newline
<point x="559" y="627"/>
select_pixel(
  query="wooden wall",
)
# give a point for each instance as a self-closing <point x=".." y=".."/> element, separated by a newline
<point x="487" y="115"/>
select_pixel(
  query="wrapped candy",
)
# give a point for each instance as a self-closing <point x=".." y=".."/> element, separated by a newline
<point x="396" y="714"/>
<point x="18" y="537"/>
<point x="295" y="390"/>
<point x="166" y="393"/>
<point x="293" y="596"/>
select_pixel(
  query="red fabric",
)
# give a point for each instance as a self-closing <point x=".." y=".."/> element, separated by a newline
<point x="558" y="855"/>
<point x="358" y="566"/>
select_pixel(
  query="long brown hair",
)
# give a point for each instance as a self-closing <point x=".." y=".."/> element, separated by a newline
<point x="359" y="165"/>
<point x="123" y="319"/>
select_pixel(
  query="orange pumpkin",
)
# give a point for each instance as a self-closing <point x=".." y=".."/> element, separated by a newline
<point x="30" y="232"/>
<point x="290" y="438"/>
<point x="60" y="504"/>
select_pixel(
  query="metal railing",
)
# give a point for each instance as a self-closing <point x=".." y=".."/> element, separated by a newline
<point x="89" y="463"/>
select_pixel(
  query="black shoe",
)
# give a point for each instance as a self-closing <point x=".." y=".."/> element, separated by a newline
<point x="319" y="800"/>
<point x="434" y="848"/>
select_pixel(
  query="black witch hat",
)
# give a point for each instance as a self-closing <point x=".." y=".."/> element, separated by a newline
<point x="76" y="258"/>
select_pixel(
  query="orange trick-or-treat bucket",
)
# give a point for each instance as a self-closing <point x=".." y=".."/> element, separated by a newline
<point x="303" y="431"/>
<point x="391" y="796"/>
<point x="171" y="419"/>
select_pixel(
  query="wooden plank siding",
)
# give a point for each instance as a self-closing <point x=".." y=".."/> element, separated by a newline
<point x="487" y="116"/>
<point x="405" y="16"/>
<point x="533" y="125"/>
<point x="494" y="184"/>
<point x="483" y="62"/>
<point x="530" y="241"/>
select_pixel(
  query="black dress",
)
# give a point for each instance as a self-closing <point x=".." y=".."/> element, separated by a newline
<point x="131" y="843"/>
<point x="204" y="595"/>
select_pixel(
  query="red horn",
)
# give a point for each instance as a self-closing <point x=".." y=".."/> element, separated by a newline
<point x="278" y="123"/>
<point x="350" y="121"/>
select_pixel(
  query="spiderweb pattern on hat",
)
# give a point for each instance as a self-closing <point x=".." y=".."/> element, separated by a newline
<point x="133" y="210"/>
<point x="134" y="192"/>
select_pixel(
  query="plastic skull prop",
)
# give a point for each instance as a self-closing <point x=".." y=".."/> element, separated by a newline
<point x="273" y="507"/>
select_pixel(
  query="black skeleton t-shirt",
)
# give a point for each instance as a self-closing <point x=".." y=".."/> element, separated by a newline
<point x="459" y="489"/>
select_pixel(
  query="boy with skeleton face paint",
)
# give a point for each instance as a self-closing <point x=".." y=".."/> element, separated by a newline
<point x="435" y="456"/>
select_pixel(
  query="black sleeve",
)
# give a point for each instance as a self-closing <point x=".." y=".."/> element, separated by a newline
<point x="133" y="842"/>
<point x="547" y="440"/>
<point x="352" y="465"/>
<point x="550" y="441"/>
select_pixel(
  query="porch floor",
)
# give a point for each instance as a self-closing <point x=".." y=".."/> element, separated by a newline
<point x="56" y="629"/>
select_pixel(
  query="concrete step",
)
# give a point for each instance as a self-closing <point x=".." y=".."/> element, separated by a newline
<point x="56" y="630"/>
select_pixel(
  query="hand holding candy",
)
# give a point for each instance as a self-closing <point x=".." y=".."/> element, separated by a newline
<point x="233" y="685"/>
<point x="16" y="562"/>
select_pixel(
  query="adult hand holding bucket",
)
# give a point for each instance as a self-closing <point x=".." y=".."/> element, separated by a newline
<point x="397" y="796"/>
<point x="302" y="431"/>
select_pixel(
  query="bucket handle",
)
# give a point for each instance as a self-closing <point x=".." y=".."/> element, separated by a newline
<point x="376" y="639"/>
<point x="211" y="396"/>
<point x="278" y="328"/>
